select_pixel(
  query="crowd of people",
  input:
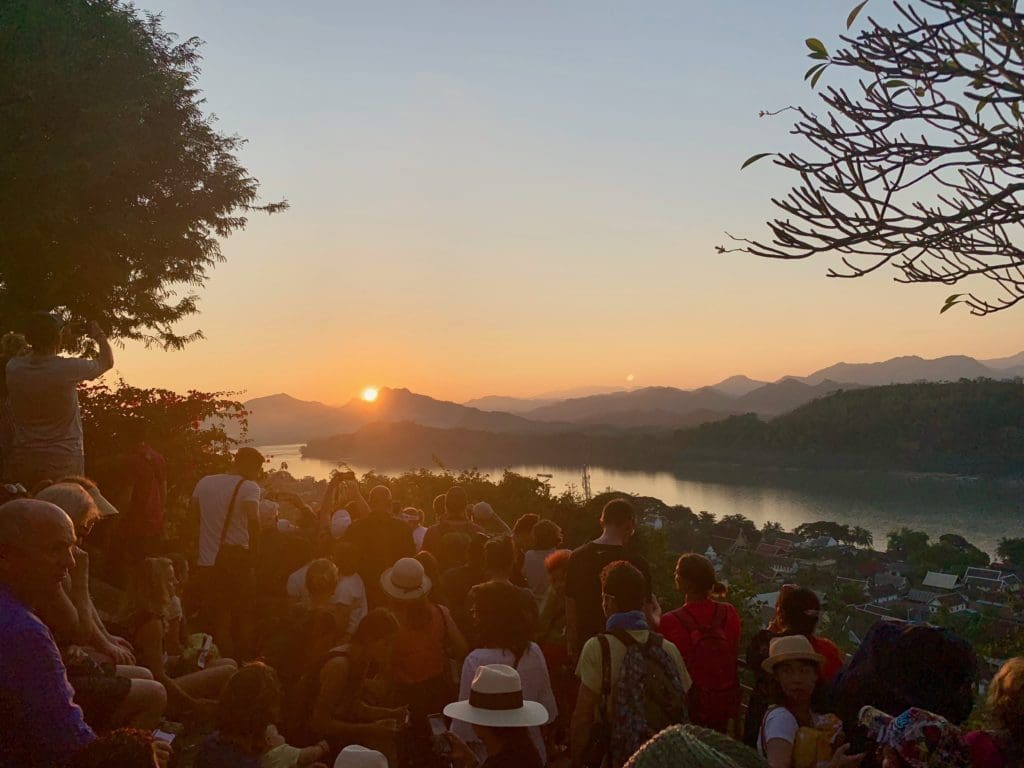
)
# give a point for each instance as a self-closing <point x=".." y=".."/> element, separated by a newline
<point x="351" y="632"/>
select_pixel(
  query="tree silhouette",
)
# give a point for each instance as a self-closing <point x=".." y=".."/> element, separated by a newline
<point x="919" y="164"/>
<point x="116" y="186"/>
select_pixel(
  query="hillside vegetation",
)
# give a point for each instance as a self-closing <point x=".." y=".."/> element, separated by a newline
<point x="964" y="427"/>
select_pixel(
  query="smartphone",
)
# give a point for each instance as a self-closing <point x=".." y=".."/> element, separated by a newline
<point x="438" y="736"/>
<point x="163" y="736"/>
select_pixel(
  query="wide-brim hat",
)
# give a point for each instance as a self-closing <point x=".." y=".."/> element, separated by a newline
<point x="790" y="648"/>
<point x="921" y="738"/>
<point x="406" y="580"/>
<point x="355" y="756"/>
<point x="496" y="700"/>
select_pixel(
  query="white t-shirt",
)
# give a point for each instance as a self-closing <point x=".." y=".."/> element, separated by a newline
<point x="780" y="723"/>
<point x="533" y="671"/>
<point x="350" y="592"/>
<point x="43" y="397"/>
<point x="417" y="536"/>
<point x="213" y="493"/>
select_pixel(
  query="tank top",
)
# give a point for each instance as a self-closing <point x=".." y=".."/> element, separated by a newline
<point x="419" y="652"/>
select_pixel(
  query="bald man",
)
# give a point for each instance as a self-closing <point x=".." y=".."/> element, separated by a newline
<point x="381" y="540"/>
<point x="39" y="723"/>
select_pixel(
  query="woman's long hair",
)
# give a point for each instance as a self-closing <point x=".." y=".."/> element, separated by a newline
<point x="150" y="588"/>
<point x="1006" y="704"/>
<point x="499" y="618"/>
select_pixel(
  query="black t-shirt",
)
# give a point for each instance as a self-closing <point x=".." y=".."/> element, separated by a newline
<point x="381" y="541"/>
<point x="583" y="583"/>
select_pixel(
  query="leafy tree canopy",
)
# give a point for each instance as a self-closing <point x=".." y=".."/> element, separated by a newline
<point x="116" y="186"/>
<point x="916" y="160"/>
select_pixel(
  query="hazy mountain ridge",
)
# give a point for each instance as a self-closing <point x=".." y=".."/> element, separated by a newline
<point x="964" y="427"/>
<point x="284" y="419"/>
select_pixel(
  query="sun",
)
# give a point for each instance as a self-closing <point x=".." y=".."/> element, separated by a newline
<point x="370" y="394"/>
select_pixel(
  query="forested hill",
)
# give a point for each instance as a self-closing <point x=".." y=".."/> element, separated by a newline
<point x="970" y="427"/>
<point x="965" y="427"/>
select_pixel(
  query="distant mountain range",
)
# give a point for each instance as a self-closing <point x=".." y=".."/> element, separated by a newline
<point x="281" y="418"/>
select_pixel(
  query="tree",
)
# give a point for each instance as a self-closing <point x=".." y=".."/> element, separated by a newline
<point x="1012" y="551"/>
<point x="918" y="164"/>
<point x="906" y="542"/>
<point x="116" y="187"/>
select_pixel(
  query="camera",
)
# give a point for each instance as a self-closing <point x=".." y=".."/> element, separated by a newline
<point x="344" y="474"/>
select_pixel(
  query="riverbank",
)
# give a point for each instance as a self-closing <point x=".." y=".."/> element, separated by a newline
<point x="878" y="501"/>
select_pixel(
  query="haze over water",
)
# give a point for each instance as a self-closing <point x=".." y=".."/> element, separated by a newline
<point x="981" y="511"/>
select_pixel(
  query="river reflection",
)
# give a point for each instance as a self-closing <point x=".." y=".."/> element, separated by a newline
<point x="982" y="511"/>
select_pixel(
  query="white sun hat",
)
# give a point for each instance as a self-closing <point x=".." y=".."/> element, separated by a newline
<point x="355" y="756"/>
<point x="340" y="522"/>
<point x="406" y="580"/>
<point x="496" y="700"/>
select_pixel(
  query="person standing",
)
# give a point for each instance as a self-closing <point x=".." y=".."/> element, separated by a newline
<point x="454" y="521"/>
<point x="382" y="540"/>
<point x="42" y="392"/>
<point x="228" y="506"/>
<point x="707" y="634"/>
<point x="584" y="615"/>
<point x="39" y="723"/>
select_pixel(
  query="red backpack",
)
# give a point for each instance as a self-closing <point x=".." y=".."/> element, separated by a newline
<point x="713" y="665"/>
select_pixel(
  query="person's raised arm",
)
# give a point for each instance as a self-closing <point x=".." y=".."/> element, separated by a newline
<point x="359" y="501"/>
<point x="106" y="356"/>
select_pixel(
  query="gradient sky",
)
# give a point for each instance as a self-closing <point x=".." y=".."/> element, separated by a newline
<point x="513" y="198"/>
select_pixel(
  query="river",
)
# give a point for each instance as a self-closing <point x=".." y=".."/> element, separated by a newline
<point x="982" y="511"/>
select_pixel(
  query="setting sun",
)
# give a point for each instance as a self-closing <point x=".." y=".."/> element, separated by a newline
<point x="370" y="394"/>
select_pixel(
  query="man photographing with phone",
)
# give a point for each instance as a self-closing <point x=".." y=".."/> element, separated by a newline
<point x="43" y="393"/>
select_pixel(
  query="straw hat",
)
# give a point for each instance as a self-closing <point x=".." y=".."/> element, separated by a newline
<point x="405" y="580"/>
<point x="496" y="700"/>
<point x="790" y="648"/>
<point x="689" y="746"/>
<point x="355" y="756"/>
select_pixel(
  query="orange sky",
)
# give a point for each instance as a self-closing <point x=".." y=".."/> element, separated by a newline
<point x="512" y="200"/>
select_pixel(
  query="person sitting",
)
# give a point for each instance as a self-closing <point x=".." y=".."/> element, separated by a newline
<point x="249" y="707"/>
<point x="547" y="536"/>
<point x="797" y="611"/>
<point x="1002" y="746"/>
<point x="499" y="715"/>
<point x="124" y="748"/>
<point x="707" y="634"/>
<point x="428" y="642"/>
<point x="625" y="596"/>
<point x="39" y="723"/>
<point x="111" y="693"/>
<point x="42" y="390"/>
<point x="791" y="734"/>
<point x="329" y="701"/>
<point x="349" y="596"/>
<point x="146" y="603"/>
<point x="502" y="634"/>
<point x="454" y="521"/>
